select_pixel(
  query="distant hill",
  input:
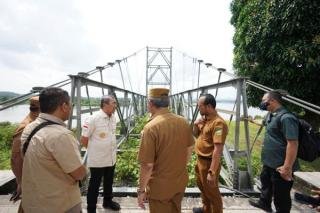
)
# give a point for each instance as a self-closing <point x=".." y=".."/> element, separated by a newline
<point x="5" y="95"/>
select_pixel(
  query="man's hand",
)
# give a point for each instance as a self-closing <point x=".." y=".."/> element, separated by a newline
<point x="199" y="122"/>
<point x="16" y="195"/>
<point x="211" y="179"/>
<point x="142" y="198"/>
<point x="285" y="172"/>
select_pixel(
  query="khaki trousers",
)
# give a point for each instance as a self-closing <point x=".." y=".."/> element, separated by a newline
<point x="172" y="205"/>
<point x="211" y="197"/>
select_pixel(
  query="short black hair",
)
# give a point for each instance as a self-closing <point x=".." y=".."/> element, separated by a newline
<point x="106" y="100"/>
<point x="209" y="99"/>
<point x="277" y="95"/>
<point x="52" y="97"/>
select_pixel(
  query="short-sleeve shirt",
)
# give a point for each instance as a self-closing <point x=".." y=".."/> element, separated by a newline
<point x="214" y="131"/>
<point x="102" y="146"/>
<point x="164" y="142"/>
<point x="16" y="143"/>
<point x="52" y="154"/>
<point x="277" y="133"/>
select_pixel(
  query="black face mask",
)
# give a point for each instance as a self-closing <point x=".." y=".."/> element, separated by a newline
<point x="264" y="105"/>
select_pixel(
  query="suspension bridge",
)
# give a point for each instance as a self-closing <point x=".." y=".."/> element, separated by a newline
<point x="129" y="79"/>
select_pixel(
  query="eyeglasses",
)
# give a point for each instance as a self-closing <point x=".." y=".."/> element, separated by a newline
<point x="69" y="104"/>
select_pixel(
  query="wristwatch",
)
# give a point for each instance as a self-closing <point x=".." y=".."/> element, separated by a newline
<point x="211" y="173"/>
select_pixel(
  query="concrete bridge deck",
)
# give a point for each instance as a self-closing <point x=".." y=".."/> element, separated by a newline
<point x="129" y="205"/>
<point x="231" y="204"/>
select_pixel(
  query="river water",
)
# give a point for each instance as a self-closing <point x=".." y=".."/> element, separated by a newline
<point x="17" y="113"/>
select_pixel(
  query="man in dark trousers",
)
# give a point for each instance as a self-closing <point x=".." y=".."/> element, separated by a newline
<point x="99" y="136"/>
<point x="278" y="156"/>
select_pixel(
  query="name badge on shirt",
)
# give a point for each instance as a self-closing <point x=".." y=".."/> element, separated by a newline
<point x="102" y="135"/>
<point x="218" y="132"/>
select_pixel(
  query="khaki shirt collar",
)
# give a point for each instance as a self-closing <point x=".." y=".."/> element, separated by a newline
<point x="53" y="118"/>
<point x="212" y="116"/>
<point x="159" y="112"/>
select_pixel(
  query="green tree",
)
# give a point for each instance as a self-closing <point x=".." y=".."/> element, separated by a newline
<point x="6" y="132"/>
<point x="277" y="44"/>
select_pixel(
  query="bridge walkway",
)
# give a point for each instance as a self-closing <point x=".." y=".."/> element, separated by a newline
<point x="231" y="205"/>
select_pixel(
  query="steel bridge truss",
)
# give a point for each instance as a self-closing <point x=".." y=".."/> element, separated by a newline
<point x="130" y="104"/>
<point x="158" y="67"/>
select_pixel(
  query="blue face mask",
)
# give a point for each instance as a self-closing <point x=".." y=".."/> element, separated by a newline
<point x="264" y="105"/>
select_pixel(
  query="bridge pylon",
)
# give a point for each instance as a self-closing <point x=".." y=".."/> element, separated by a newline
<point x="159" y="68"/>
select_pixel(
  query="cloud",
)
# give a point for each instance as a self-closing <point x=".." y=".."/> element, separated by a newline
<point x="42" y="41"/>
<point x="44" y="37"/>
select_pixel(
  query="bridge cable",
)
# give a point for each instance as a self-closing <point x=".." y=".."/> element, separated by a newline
<point x="128" y="73"/>
<point x="119" y="61"/>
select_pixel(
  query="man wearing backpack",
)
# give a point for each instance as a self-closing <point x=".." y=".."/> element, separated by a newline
<point x="279" y="154"/>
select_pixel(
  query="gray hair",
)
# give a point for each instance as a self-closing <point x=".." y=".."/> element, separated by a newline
<point x="106" y="100"/>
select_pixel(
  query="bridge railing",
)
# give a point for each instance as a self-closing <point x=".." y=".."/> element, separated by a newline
<point x="130" y="104"/>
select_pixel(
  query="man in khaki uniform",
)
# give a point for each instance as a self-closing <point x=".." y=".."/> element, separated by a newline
<point x="211" y="130"/>
<point x="51" y="165"/>
<point x="16" y="157"/>
<point x="165" y="148"/>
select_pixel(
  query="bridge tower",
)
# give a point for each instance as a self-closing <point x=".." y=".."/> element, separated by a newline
<point x="159" y="68"/>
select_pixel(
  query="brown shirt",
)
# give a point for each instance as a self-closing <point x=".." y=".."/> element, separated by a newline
<point x="51" y="155"/>
<point x="164" y="142"/>
<point x="16" y="158"/>
<point x="215" y="130"/>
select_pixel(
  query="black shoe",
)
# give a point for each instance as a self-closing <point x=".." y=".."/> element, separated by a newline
<point x="91" y="210"/>
<point x="112" y="205"/>
<point x="259" y="204"/>
<point x="197" y="210"/>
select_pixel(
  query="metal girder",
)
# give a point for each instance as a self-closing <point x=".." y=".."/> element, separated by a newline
<point x="124" y="109"/>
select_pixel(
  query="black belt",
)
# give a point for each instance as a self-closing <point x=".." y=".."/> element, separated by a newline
<point x="204" y="158"/>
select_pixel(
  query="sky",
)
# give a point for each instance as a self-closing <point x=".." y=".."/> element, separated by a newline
<point x="42" y="41"/>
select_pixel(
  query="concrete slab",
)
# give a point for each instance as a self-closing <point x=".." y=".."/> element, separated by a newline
<point x="129" y="205"/>
<point x="6" y="176"/>
<point x="312" y="178"/>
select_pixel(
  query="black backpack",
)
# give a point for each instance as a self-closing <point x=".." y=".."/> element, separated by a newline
<point x="309" y="141"/>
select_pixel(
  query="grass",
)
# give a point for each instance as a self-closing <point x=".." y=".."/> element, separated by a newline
<point x="6" y="133"/>
<point x="127" y="169"/>
<point x="255" y="155"/>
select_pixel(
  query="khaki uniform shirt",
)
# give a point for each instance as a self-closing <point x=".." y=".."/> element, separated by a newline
<point x="102" y="146"/>
<point x="52" y="154"/>
<point x="16" y="158"/>
<point x="164" y="142"/>
<point x="215" y="130"/>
